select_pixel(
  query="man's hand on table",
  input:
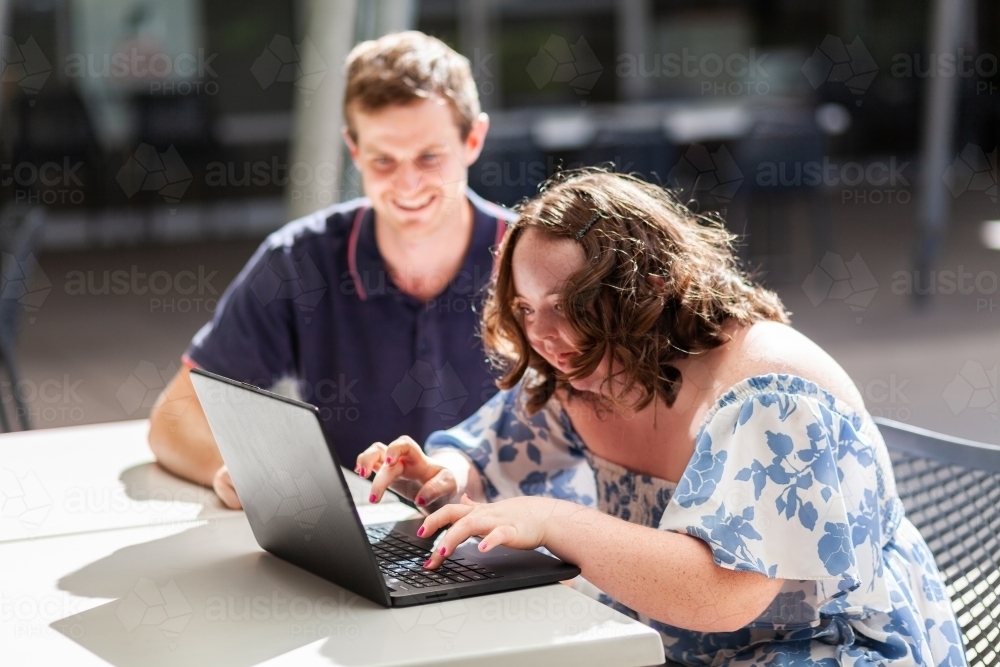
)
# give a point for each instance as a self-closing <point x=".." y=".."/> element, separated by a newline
<point x="223" y="485"/>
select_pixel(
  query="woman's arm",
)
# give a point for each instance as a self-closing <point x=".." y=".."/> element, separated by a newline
<point x="668" y="576"/>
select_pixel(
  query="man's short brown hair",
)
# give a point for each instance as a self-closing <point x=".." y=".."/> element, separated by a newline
<point x="404" y="67"/>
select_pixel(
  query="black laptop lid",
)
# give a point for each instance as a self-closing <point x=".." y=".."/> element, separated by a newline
<point x="290" y="483"/>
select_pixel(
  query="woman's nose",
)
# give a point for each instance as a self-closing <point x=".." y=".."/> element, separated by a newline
<point x="543" y="327"/>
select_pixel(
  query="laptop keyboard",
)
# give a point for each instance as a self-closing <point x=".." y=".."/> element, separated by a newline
<point x="402" y="559"/>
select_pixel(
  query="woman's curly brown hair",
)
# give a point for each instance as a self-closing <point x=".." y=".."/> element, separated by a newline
<point x="658" y="285"/>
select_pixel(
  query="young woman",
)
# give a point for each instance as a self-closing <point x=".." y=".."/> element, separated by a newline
<point x="710" y="469"/>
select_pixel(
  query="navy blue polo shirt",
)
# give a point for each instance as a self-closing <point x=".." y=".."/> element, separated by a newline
<point x="315" y="303"/>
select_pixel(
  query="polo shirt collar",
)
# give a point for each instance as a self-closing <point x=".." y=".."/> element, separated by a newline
<point x="371" y="276"/>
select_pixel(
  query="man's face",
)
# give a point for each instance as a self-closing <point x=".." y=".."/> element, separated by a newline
<point x="414" y="164"/>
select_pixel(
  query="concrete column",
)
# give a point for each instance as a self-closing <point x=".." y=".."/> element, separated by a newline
<point x="476" y="25"/>
<point x="375" y="18"/>
<point x="633" y="22"/>
<point x="381" y="17"/>
<point x="318" y="117"/>
<point x="4" y="8"/>
<point x="947" y="21"/>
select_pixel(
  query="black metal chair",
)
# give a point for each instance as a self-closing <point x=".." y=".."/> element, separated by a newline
<point x="951" y="490"/>
<point x="20" y="234"/>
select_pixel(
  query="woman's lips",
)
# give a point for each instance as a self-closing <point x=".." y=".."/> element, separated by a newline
<point x="562" y="359"/>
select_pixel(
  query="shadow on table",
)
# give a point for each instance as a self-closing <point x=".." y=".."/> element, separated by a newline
<point x="206" y="596"/>
<point x="148" y="482"/>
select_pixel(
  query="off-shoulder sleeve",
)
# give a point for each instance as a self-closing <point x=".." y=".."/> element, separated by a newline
<point x="782" y="484"/>
<point x="517" y="455"/>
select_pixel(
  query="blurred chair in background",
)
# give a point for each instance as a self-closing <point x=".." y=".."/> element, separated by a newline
<point x="20" y="234"/>
<point x="951" y="490"/>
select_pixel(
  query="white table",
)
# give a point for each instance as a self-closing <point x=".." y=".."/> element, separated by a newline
<point x="107" y="559"/>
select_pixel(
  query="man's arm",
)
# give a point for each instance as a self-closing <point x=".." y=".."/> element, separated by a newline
<point x="179" y="434"/>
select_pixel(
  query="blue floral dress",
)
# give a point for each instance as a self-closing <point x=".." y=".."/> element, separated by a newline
<point x="786" y="480"/>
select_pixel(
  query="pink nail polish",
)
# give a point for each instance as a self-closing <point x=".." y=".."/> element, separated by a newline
<point x="363" y="471"/>
<point x="371" y="498"/>
<point x="388" y="460"/>
<point x="420" y="531"/>
<point x="420" y="500"/>
<point x="443" y="551"/>
<point x="482" y="546"/>
<point x="427" y="562"/>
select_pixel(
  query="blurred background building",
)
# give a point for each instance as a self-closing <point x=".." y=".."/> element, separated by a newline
<point x="851" y="144"/>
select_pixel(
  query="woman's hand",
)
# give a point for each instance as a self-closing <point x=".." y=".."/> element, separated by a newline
<point x="403" y="466"/>
<point x="519" y="523"/>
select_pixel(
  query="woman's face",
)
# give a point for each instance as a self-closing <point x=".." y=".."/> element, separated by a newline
<point x="540" y="267"/>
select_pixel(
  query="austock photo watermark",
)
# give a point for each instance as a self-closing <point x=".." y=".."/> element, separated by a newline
<point x="176" y="291"/>
<point x="835" y="279"/>
<point x="162" y="500"/>
<point x="159" y="611"/>
<point x="973" y="170"/>
<point x="559" y="62"/>
<point x="24" y="65"/>
<point x="148" y="169"/>
<point x="163" y="73"/>
<point x="735" y="74"/>
<point x="156" y="72"/>
<point x="705" y="179"/>
<point x="22" y="280"/>
<point x="835" y="61"/>
<point x="423" y="386"/>
<point x="884" y="395"/>
<point x="167" y="174"/>
<point x="50" y="401"/>
<point x="294" y="178"/>
<point x="458" y="293"/>
<point x="958" y="281"/>
<point x="29" y="616"/>
<point x="974" y="389"/>
<point x="51" y="182"/>
<point x="963" y="64"/>
<point x="852" y="281"/>
<point x="24" y="499"/>
<point x="877" y="182"/>
<point x="143" y="387"/>
<point x="334" y="397"/>
<point x="310" y="617"/>
<point x="281" y="61"/>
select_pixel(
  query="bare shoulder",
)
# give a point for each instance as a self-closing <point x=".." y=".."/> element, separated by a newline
<point x="773" y="347"/>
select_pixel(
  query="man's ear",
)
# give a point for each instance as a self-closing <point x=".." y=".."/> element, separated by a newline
<point x="477" y="137"/>
<point x="352" y="147"/>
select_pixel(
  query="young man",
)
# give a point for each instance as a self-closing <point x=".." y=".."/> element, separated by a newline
<point x="370" y="305"/>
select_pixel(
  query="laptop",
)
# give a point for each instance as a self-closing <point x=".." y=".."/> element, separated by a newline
<point x="300" y="508"/>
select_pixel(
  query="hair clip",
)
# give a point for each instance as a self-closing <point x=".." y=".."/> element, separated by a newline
<point x="586" y="228"/>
